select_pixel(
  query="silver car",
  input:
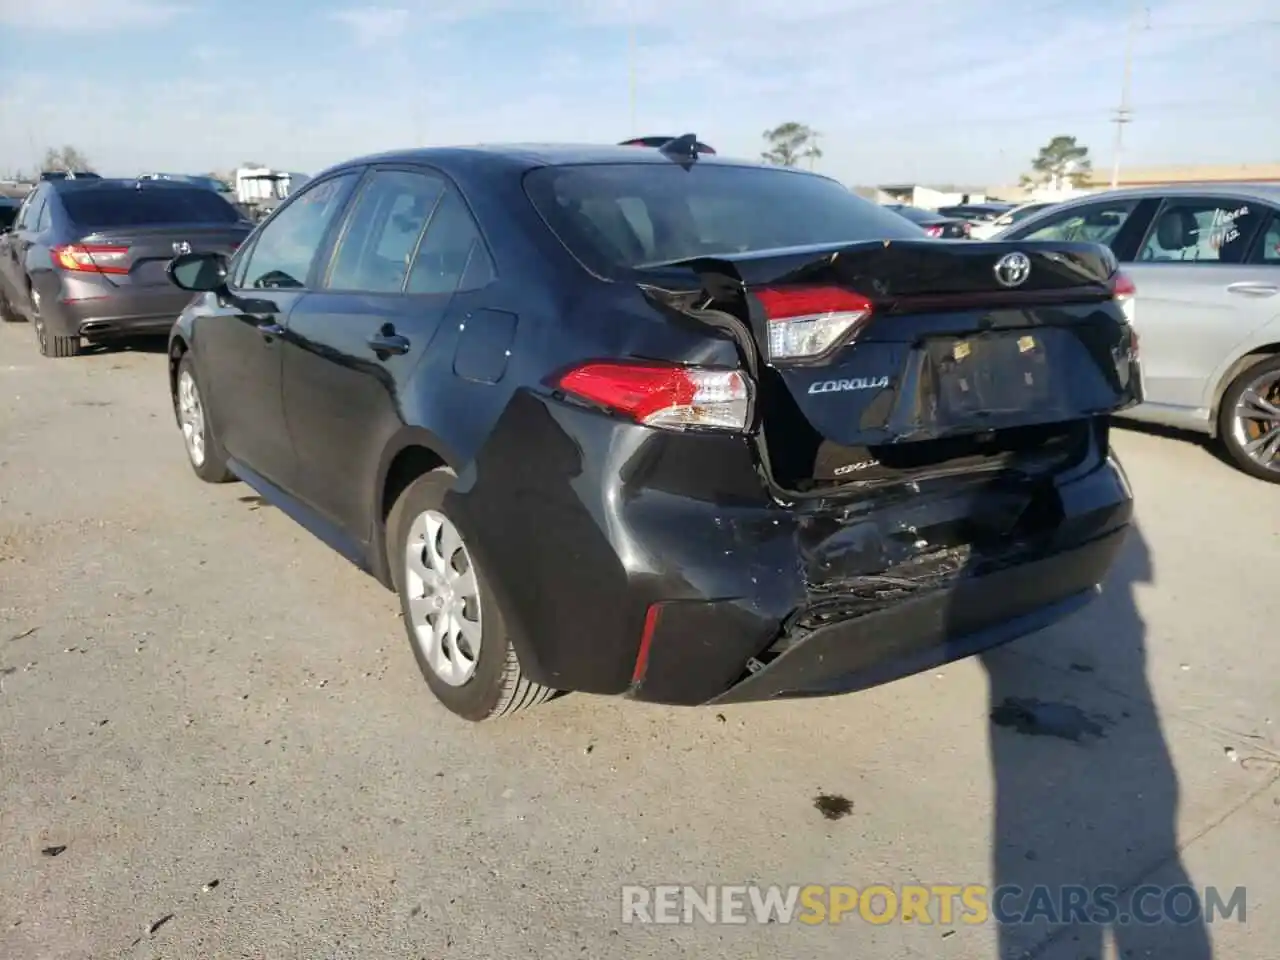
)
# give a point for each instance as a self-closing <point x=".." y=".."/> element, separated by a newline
<point x="1205" y="259"/>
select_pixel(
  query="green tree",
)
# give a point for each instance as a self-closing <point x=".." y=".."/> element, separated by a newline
<point x="790" y="143"/>
<point x="68" y="158"/>
<point x="1062" y="162"/>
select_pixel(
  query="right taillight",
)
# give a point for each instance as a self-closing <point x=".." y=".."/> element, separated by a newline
<point x="934" y="231"/>
<point x="1125" y="293"/>
<point x="665" y="395"/>
<point x="807" y="322"/>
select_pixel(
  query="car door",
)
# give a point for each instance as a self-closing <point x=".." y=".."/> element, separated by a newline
<point x="17" y="244"/>
<point x="353" y="344"/>
<point x="1198" y="295"/>
<point x="237" y="337"/>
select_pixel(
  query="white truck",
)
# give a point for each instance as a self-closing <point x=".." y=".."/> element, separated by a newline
<point x="260" y="190"/>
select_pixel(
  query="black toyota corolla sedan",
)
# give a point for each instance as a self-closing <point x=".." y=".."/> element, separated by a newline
<point x="660" y="424"/>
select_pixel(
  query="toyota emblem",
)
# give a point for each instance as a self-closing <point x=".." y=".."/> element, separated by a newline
<point x="181" y="247"/>
<point x="1013" y="269"/>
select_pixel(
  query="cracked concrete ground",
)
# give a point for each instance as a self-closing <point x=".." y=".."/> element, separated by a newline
<point x="192" y="690"/>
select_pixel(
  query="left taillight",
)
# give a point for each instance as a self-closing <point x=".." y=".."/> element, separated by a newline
<point x="1125" y="292"/>
<point x="91" y="258"/>
<point x="807" y="322"/>
<point x="665" y="395"/>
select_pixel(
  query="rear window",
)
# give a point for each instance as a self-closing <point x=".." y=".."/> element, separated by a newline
<point x="616" y="217"/>
<point x="131" y="207"/>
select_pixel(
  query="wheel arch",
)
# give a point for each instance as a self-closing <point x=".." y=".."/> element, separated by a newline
<point x="178" y="348"/>
<point x="1237" y="367"/>
<point x="412" y="452"/>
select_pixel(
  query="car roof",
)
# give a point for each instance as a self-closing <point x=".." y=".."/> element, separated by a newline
<point x="1267" y="192"/>
<point x="522" y="157"/>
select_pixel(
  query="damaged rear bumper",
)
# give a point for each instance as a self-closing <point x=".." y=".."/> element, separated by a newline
<point x="975" y="614"/>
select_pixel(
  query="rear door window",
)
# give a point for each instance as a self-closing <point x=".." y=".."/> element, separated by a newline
<point x="452" y="255"/>
<point x="1267" y="249"/>
<point x="617" y="217"/>
<point x="1202" y="230"/>
<point x="383" y="230"/>
<point x="127" y="206"/>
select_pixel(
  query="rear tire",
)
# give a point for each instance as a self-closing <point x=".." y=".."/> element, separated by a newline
<point x="438" y="583"/>
<point x="204" y="453"/>
<point x="52" y="345"/>
<point x="1249" y="420"/>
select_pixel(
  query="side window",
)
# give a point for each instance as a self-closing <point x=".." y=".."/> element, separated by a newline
<point x="1200" y="230"/>
<point x="1092" y="223"/>
<point x="286" y="247"/>
<point x="44" y="219"/>
<point x="29" y="215"/>
<point x="1267" y="250"/>
<point x="452" y="255"/>
<point x="382" y="231"/>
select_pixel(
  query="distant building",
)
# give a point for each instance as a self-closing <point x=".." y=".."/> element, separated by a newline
<point x="1100" y="179"/>
<point x="929" y="198"/>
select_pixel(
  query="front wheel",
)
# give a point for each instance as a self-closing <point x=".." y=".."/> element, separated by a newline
<point x="203" y="450"/>
<point x="453" y="620"/>
<point x="1249" y="420"/>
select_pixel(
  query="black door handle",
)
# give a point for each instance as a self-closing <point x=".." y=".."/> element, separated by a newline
<point x="387" y="344"/>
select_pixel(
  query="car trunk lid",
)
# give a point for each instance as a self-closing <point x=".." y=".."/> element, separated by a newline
<point x="880" y="361"/>
<point x="137" y="256"/>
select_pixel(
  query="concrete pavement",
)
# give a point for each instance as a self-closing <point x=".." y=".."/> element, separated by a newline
<point x="192" y="690"/>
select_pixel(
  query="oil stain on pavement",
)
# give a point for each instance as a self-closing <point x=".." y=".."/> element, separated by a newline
<point x="1039" y="719"/>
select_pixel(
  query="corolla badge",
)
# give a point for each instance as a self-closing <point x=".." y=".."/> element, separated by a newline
<point x="1012" y="269"/>
<point x="181" y="247"/>
<point x="855" y="383"/>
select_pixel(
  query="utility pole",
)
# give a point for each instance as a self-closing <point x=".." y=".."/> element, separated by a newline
<point x="1124" y="114"/>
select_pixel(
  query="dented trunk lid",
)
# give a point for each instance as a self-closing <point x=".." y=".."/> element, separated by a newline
<point x="953" y="353"/>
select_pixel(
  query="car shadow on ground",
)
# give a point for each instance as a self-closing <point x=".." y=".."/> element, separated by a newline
<point x="1086" y="795"/>
<point x="1206" y="443"/>
<point x="147" y="344"/>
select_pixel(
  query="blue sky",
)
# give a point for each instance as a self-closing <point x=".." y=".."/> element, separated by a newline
<point x="933" y="90"/>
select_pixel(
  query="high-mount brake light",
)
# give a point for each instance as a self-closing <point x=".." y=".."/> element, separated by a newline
<point x="806" y="322"/>
<point x="665" y="395"/>
<point x="91" y="258"/>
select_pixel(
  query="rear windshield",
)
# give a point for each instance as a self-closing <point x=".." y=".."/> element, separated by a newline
<point x="616" y="217"/>
<point x="131" y="207"/>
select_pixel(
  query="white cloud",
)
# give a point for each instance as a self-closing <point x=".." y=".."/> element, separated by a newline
<point x="98" y="16"/>
<point x="901" y="89"/>
<point x="371" y="25"/>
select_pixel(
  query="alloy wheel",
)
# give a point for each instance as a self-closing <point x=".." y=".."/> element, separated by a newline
<point x="191" y="417"/>
<point x="1255" y="423"/>
<point x="443" y="598"/>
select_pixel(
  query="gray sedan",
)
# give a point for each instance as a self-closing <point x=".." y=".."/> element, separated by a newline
<point x="1205" y="259"/>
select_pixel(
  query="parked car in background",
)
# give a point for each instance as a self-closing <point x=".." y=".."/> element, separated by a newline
<point x="933" y="224"/>
<point x="1206" y="262"/>
<point x="86" y="259"/>
<point x="48" y="175"/>
<point x="976" y="213"/>
<point x="986" y="229"/>
<point x="663" y="425"/>
<point x="8" y="211"/>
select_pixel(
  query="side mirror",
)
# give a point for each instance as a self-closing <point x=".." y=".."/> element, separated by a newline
<point x="198" y="272"/>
